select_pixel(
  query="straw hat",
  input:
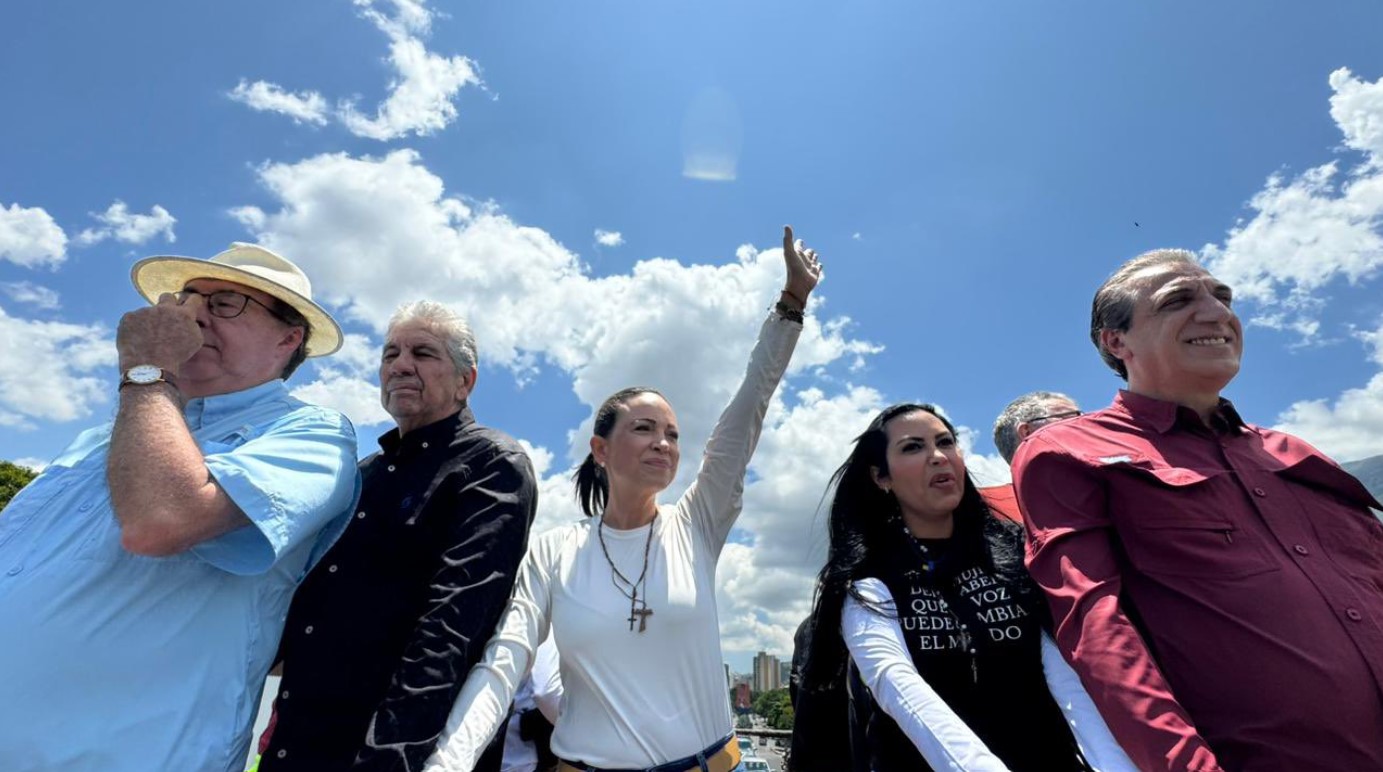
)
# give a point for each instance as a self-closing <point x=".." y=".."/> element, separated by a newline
<point x="250" y="265"/>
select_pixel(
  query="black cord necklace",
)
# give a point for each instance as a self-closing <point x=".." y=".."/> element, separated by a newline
<point x="638" y="607"/>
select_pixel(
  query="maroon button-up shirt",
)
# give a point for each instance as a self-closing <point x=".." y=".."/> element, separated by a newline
<point x="1219" y="590"/>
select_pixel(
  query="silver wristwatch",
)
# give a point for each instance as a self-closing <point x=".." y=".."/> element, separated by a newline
<point x="143" y="375"/>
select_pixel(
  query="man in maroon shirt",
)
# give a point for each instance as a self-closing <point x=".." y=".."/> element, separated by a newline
<point x="1217" y="585"/>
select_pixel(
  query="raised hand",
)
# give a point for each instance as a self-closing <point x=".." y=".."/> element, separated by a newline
<point x="803" y="270"/>
<point x="164" y="335"/>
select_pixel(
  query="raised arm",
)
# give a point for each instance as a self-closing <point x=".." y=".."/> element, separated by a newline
<point x="1072" y="556"/>
<point x="875" y="642"/>
<point x="488" y="533"/>
<point x="713" y="500"/>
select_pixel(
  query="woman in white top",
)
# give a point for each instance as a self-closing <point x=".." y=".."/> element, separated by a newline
<point x="629" y="593"/>
<point x="926" y="590"/>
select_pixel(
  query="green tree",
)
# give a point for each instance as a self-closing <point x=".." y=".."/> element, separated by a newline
<point x="13" y="477"/>
<point x="776" y="708"/>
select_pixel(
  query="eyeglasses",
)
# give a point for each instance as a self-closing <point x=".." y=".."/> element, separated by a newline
<point x="227" y="304"/>
<point x="1055" y="417"/>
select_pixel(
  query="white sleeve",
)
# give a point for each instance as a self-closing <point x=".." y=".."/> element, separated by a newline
<point x="876" y="645"/>
<point x="484" y="700"/>
<point x="547" y="680"/>
<point x="713" y="501"/>
<point x="1096" y="742"/>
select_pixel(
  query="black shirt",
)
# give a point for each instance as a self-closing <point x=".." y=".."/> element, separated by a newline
<point x="975" y="637"/>
<point x="382" y="633"/>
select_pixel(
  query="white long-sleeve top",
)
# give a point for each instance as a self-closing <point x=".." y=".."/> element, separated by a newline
<point x="632" y="699"/>
<point x="876" y="644"/>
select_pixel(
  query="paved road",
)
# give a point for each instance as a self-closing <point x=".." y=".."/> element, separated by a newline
<point x="770" y="754"/>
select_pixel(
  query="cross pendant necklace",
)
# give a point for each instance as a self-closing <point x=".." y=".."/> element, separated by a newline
<point x="616" y="577"/>
<point x="642" y="613"/>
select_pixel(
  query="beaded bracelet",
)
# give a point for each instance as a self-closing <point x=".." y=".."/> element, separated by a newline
<point x="788" y="312"/>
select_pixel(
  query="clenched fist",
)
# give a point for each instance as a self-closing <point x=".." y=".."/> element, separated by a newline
<point x="164" y="335"/>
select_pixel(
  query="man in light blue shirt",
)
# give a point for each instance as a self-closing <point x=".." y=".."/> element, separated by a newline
<point x="145" y="574"/>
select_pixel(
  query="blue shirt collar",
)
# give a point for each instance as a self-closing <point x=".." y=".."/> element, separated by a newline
<point x="204" y="411"/>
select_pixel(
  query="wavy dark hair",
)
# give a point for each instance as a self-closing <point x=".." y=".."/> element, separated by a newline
<point x="864" y="536"/>
<point x="592" y="486"/>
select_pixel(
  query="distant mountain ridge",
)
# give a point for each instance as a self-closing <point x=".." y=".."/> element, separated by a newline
<point x="1370" y="473"/>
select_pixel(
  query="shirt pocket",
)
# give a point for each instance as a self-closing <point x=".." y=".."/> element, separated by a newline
<point x="24" y="508"/>
<point x="1177" y="521"/>
<point x="1354" y="542"/>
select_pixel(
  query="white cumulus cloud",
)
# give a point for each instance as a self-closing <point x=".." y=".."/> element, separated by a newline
<point x="302" y="107"/>
<point x="1349" y="428"/>
<point x="356" y="397"/>
<point x="1315" y="228"/>
<point x="425" y="85"/>
<point x="375" y="232"/>
<point x="36" y="464"/>
<point x="29" y="237"/>
<point x="1357" y="108"/>
<point x="422" y="90"/>
<point x="608" y="238"/>
<point x="119" y="223"/>
<point x="1308" y="232"/>
<point x="347" y="381"/>
<point x="27" y="292"/>
<point x="52" y="370"/>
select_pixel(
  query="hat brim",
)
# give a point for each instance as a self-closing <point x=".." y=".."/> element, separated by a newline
<point x="156" y="275"/>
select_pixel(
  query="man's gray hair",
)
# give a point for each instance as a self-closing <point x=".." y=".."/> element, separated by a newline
<point x="1028" y="407"/>
<point x="448" y="325"/>
<point x="1112" y="308"/>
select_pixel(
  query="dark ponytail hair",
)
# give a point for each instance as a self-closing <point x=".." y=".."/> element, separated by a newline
<point x="592" y="486"/>
<point x="864" y="531"/>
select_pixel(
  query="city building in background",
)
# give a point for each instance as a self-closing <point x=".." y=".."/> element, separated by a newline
<point x="767" y="672"/>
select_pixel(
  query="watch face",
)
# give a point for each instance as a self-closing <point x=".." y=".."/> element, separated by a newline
<point x="144" y="374"/>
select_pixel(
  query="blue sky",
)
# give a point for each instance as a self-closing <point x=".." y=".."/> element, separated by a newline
<point x="969" y="171"/>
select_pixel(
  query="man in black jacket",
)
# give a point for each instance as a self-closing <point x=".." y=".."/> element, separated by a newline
<point x="382" y="633"/>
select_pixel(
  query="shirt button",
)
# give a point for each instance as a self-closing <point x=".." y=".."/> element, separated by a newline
<point x="359" y="515"/>
<point x="308" y="630"/>
<point x="331" y="568"/>
<point x="1300" y="550"/>
<point x="1354" y="614"/>
<point x="1259" y="492"/>
<point x="424" y="445"/>
<point x="14" y="571"/>
<point x="282" y="752"/>
<point x="285" y="694"/>
<point x="391" y="467"/>
<point x="84" y="507"/>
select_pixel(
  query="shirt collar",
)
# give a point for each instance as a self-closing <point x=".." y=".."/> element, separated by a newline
<point x="205" y="411"/>
<point x="1163" y="416"/>
<point x="434" y="435"/>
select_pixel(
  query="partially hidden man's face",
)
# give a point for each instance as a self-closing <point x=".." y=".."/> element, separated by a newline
<point x="1053" y="411"/>
<point x="418" y="382"/>
<point x="1184" y="338"/>
<point x="240" y="352"/>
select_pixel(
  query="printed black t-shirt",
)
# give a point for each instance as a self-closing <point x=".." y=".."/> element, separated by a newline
<point x="975" y="638"/>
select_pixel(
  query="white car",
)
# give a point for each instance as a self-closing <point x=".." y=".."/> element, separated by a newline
<point x="754" y="764"/>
